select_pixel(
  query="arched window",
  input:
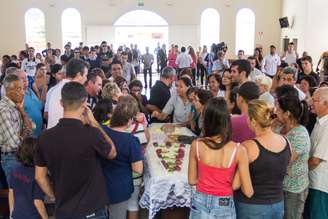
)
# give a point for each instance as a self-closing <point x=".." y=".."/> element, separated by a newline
<point x="209" y="27"/>
<point x="71" y="27"/>
<point x="245" y="31"/>
<point x="35" y="29"/>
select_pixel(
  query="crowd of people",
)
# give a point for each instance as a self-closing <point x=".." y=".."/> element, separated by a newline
<point x="74" y="127"/>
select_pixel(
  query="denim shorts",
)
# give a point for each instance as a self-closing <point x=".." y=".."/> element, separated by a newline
<point x="257" y="211"/>
<point x="205" y="206"/>
<point x="8" y="162"/>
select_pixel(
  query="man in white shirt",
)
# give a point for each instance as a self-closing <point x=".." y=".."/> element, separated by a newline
<point x="29" y="64"/>
<point x="254" y="71"/>
<point x="290" y="56"/>
<point x="316" y="206"/>
<point x="271" y="62"/>
<point x="183" y="60"/>
<point x="76" y="70"/>
<point x="289" y="78"/>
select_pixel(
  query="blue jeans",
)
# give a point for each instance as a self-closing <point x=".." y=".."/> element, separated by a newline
<point x="255" y="211"/>
<point x="205" y="206"/>
<point x="8" y="162"/>
<point x="99" y="214"/>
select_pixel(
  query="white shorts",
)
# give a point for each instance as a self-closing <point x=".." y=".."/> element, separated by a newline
<point x="133" y="202"/>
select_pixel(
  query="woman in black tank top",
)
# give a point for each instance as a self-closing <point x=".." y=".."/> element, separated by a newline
<point x="269" y="156"/>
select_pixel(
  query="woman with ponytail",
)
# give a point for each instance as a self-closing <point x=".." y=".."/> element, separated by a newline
<point x="217" y="165"/>
<point x="293" y="114"/>
<point x="269" y="155"/>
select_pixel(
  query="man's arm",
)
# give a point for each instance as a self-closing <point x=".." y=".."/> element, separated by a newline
<point x="41" y="176"/>
<point x="314" y="162"/>
<point x="151" y="108"/>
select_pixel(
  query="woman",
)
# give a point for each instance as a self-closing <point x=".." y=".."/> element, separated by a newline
<point x="40" y="85"/>
<point x="214" y="83"/>
<point x="213" y="162"/>
<point x="178" y="104"/>
<point x="226" y="84"/>
<point x="198" y="99"/>
<point x="172" y="57"/>
<point x="203" y="64"/>
<point x="269" y="155"/>
<point x="264" y="82"/>
<point x="307" y="86"/>
<point x="259" y="58"/>
<point x="232" y="101"/>
<point x="293" y="115"/>
<point x="118" y="172"/>
<point x="193" y="64"/>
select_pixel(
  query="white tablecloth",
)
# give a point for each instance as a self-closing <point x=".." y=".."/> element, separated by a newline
<point x="164" y="189"/>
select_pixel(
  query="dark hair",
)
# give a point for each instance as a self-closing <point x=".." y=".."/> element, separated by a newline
<point x="73" y="95"/>
<point x="26" y="151"/>
<point x="39" y="65"/>
<point x="307" y="58"/>
<point x="251" y="58"/>
<point x="119" y="80"/>
<point x="126" y="109"/>
<point x="116" y="62"/>
<point x="216" y="122"/>
<point x="75" y="66"/>
<point x="298" y="109"/>
<point x="233" y="99"/>
<point x="64" y="58"/>
<point x="241" y="51"/>
<point x="92" y="77"/>
<point x="243" y="65"/>
<point x="286" y="90"/>
<point x="102" y="109"/>
<point x="249" y="91"/>
<point x="203" y="95"/>
<point x="99" y="72"/>
<point x="85" y="48"/>
<point x="186" y="81"/>
<point x="183" y="49"/>
<point x="55" y="68"/>
<point x="217" y="77"/>
<point x="135" y="83"/>
<point x="310" y="80"/>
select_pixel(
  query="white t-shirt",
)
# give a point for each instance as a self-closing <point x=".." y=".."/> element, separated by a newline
<point x="254" y="74"/>
<point x="270" y="64"/>
<point x="319" y="149"/>
<point x="290" y="58"/>
<point x="55" y="109"/>
<point x="183" y="60"/>
<point x="29" y="66"/>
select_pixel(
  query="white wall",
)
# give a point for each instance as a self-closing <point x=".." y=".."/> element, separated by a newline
<point x="310" y="25"/>
<point x="183" y="18"/>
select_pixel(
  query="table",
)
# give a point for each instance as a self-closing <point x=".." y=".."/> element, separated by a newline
<point x="164" y="189"/>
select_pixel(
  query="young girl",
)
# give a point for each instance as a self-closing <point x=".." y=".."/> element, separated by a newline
<point x="25" y="195"/>
<point x="213" y="163"/>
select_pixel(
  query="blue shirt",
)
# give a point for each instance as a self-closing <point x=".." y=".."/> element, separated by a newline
<point x="118" y="172"/>
<point x="33" y="108"/>
<point x="26" y="190"/>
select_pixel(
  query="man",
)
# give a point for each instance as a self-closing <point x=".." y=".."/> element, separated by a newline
<point x="290" y="56"/>
<point x="32" y="105"/>
<point x="271" y="62"/>
<point x="288" y="78"/>
<point x="240" y="70"/>
<point x="156" y="52"/>
<point x="240" y="131"/>
<point x="48" y="49"/>
<point x="221" y="63"/>
<point x="307" y="67"/>
<point x="254" y="71"/>
<point x="128" y="69"/>
<point x="135" y="59"/>
<point x="69" y="152"/>
<point x="148" y="60"/>
<point x="29" y="64"/>
<point x="183" y="60"/>
<point x="14" y="122"/>
<point x="93" y="87"/>
<point x="162" y="57"/>
<point x="116" y="70"/>
<point x="93" y="60"/>
<point x="76" y="70"/>
<point x="68" y="51"/>
<point x="160" y="92"/>
<point x="316" y="205"/>
<point x="85" y="53"/>
<point x="241" y="55"/>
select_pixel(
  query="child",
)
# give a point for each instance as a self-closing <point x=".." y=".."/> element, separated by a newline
<point x="25" y="196"/>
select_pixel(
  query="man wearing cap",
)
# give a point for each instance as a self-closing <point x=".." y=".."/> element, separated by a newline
<point x="271" y="62"/>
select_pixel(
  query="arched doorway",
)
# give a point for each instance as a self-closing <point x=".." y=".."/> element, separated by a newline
<point x="141" y="27"/>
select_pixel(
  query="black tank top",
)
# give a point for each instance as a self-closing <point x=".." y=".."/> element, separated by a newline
<point x="267" y="174"/>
